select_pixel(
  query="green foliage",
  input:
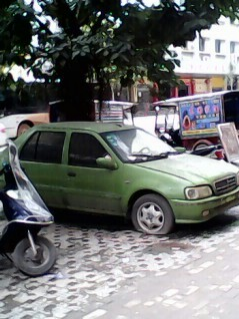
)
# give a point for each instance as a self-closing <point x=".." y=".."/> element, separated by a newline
<point x="102" y="40"/>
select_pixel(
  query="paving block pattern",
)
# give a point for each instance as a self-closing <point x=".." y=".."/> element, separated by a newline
<point x="94" y="266"/>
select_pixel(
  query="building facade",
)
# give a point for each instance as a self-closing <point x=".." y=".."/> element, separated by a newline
<point x="210" y="63"/>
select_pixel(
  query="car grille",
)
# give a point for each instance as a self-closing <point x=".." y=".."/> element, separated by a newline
<point x="225" y="185"/>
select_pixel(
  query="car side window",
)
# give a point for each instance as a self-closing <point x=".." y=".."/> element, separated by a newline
<point x="46" y="147"/>
<point x="84" y="150"/>
<point x="29" y="149"/>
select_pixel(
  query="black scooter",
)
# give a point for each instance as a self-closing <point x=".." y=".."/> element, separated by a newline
<point x="24" y="214"/>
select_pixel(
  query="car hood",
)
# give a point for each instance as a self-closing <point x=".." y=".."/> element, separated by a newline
<point x="196" y="169"/>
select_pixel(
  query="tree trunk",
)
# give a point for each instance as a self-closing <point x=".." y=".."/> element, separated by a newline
<point x="76" y="92"/>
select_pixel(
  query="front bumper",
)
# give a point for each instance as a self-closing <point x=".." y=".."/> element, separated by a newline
<point x="196" y="211"/>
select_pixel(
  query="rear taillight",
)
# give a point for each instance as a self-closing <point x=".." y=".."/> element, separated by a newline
<point x="2" y="128"/>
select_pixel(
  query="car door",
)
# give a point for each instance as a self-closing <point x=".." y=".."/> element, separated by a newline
<point x="41" y="158"/>
<point x="90" y="188"/>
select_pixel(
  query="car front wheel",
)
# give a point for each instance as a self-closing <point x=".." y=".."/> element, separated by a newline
<point x="151" y="214"/>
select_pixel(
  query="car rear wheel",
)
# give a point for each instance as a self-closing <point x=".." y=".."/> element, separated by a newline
<point x="23" y="127"/>
<point x="151" y="214"/>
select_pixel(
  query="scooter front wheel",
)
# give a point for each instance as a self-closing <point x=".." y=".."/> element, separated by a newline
<point x="34" y="264"/>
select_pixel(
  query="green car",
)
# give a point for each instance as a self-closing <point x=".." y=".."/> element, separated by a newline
<point x="123" y="170"/>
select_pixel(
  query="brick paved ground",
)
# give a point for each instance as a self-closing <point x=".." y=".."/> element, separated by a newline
<point x="120" y="274"/>
<point x="206" y="287"/>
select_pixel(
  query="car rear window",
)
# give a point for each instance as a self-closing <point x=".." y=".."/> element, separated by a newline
<point x="46" y="147"/>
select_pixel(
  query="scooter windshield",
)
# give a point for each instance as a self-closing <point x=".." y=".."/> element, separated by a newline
<point x="26" y="191"/>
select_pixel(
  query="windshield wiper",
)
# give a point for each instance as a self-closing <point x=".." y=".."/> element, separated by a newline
<point x="154" y="156"/>
<point x="168" y="153"/>
<point x="150" y="156"/>
<point x="141" y="155"/>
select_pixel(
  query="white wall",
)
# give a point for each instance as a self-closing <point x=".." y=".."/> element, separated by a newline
<point x="194" y="61"/>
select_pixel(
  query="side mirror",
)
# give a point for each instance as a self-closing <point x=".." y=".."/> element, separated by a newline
<point x="180" y="149"/>
<point x="107" y="163"/>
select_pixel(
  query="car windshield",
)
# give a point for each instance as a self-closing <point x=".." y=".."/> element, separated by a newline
<point x="137" y="145"/>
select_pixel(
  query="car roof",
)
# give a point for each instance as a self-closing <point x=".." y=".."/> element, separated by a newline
<point x="97" y="127"/>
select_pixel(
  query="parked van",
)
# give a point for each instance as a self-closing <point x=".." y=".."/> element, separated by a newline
<point x="199" y="115"/>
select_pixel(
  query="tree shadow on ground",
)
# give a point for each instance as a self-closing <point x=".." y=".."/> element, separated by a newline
<point x="110" y="223"/>
<point x="88" y="220"/>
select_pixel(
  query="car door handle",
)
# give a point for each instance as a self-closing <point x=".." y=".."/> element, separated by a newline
<point x="71" y="174"/>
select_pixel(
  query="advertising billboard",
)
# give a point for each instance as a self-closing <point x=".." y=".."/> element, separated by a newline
<point x="199" y="117"/>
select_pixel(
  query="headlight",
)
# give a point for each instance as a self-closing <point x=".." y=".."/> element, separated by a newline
<point x="238" y="178"/>
<point x="198" y="192"/>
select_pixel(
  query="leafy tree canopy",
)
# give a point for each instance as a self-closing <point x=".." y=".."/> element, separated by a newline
<point x="88" y="41"/>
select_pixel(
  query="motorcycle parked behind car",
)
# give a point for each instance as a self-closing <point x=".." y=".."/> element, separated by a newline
<point x="24" y="214"/>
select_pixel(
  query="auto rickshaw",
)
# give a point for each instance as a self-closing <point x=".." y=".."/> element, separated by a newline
<point x="197" y="117"/>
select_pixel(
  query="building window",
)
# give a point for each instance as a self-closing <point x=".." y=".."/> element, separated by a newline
<point x="218" y="46"/>
<point x="202" y="44"/>
<point x="232" y="47"/>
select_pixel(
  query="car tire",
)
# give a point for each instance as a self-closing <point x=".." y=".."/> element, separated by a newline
<point x="30" y="265"/>
<point x="151" y="214"/>
<point x="201" y="145"/>
<point x="23" y="127"/>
